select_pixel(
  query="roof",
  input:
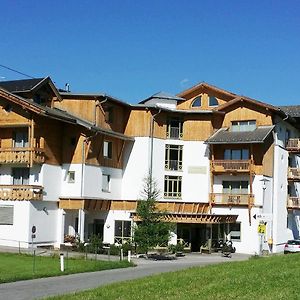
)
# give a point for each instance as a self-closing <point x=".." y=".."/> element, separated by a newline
<point x="162" y="96"/>
<point x="291" y="110"/>
<point x="93" y="95"/>
<point x="225" y="136"/>
<point x="205" y="85"/>
<point x="249" y="100"/>
<point x="58" y="114"/>
<point x="28" y="85"/>
<point x="24" y="85"/>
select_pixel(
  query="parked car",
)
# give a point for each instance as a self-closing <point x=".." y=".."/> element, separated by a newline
<point x="292" y="246"/>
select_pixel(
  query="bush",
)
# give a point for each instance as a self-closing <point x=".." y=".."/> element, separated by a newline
<point x="176" y="248"/>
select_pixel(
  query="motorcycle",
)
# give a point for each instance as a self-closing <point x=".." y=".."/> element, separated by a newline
<point x="227" y="249"/>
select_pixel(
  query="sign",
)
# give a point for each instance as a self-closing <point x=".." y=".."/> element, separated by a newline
<point x="33" y="229"/>
<point x="263" y="217"/>
<point x="197" y="170"/>
<point x="262" y="228"/>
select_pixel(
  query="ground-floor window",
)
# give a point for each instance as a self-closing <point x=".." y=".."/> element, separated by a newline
<point x="235" y="232"/>
<point x="6" y="215"/>
<point x="235" y="187"/>
<point x="122" y="231"/>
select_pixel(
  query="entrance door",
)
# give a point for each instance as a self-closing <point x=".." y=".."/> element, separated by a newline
<point x="198" y="237"/>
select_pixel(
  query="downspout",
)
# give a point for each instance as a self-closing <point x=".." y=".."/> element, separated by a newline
<point x="98" y="104"/>
<point x="151" y="148"/>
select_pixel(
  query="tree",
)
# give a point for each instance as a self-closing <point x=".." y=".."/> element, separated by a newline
<point x="150" y="230"/>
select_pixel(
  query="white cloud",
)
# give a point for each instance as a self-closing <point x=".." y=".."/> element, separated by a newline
<point x="184" y="81"/>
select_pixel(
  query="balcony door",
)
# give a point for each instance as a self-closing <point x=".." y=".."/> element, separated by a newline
<point x="20" y="139"/>
<point x="20" y="176"/>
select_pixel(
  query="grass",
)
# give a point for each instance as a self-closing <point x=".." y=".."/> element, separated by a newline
<point x="275" y="277"/>
<point x="14" y="267"/>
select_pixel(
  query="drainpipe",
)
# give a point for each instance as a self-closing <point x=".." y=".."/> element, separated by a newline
<point x="98" y="104"/>
<point x="151" y="148"/>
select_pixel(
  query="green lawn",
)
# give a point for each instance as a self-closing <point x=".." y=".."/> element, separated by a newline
<point x="274" y="277"/>
<point x="15" y="267"/>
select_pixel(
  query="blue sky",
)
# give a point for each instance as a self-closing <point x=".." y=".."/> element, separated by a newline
<point x="133" y="49"/>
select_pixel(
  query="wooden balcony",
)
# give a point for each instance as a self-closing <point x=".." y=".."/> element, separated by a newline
<point x="293" y="174"/>
<point x="293" y="202"/>
<point x="230" y="166"/>
<point x="293" y="145"/>
<point x="21" y="192"/>
<point x="22" y="156"/>
<point x="231" y="199"/>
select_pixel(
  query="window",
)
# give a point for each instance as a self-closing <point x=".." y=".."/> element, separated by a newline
<point x="235" y="232"/>
<point x="235" y="187"/>
<point x="172" y="187"/>
<point x="6" y="215"/>
<point x="197" y="102"/>
<point x="20" y="176"/>
<point x="212" y="101"/>
<point x="71" y="176"/>
<point x="174" y="129"/>
<point x="105" y="183"/>
<point x="243" y="125"/>
<point x="20" y="139"/>
<point x="122" y="231"/>
<point x="107" y="149"/>
<point x="173" y="157"/>
<point x="109" y="114"/>
<point x="236" y="154"/>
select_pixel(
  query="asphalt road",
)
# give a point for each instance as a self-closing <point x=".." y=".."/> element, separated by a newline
<point x="39" y="288"/>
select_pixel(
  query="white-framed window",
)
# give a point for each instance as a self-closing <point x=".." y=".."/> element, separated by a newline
<point x="173" y="187"/>
<point x="243" y="125"/>
<point x="6" y="215"/>
<point x="105" y="183"/>
<point x="235" y="232"/>
<point x="122" y="231"/>
<point x="175" y="129"/>
<point x="197" y="102"/>
<point x="107" y="149"/>
<point x="20" y="176"/>
<point x="71" y="176"/>
<point x="212" y="101"/>
<point x="173" y="157"/>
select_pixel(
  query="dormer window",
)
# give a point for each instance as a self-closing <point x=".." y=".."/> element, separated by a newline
<point x="212" y="101"/>
<point x="238" y="126"/>
<point x="197" y="102"/>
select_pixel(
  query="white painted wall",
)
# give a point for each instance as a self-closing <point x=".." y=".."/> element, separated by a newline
<point x="17" y="234"/>
<point x="50" y="178"/>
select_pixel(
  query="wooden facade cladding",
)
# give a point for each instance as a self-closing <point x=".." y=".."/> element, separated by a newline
<point x="94" y="110"/>
<point x="244" y="111"/>
<point x="187" y="104"/>
<point x="106" y="205"/>
<point x="21" y="192"/>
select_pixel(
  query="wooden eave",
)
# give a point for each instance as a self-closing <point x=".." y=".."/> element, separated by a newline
<point x="47" y="80"/>
<point x="205" y="87"/>
<point x="248" y="100"/>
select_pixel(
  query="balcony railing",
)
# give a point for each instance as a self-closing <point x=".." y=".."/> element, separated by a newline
<point x="22" y="155"/>
<point x="21" y="192"/>
<point x="231" y="199"/>
<point x="174" y="133"/>
<point x="294" y="174"/>
<point x="293" y="145"/>
<point x="231" y="165"/>
<point x="293" y="202"/>
<point x="173" y="165"/>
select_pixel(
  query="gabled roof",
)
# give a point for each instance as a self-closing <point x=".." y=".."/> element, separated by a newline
<point x="225" y="136"/>
<point x="162" y="96"/>
<point x="249" y="100"/>
<point x="291" y="110"/>
<point x="58" y="114"/>
<point x="28" y="85"/>
<point x="203" y="86"/>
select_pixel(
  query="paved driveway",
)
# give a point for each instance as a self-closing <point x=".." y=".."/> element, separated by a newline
<point x="38" y="288"/>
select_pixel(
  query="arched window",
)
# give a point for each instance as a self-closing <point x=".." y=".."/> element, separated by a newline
<point x="197" y="102"/>
<point x="213" y="101"/>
